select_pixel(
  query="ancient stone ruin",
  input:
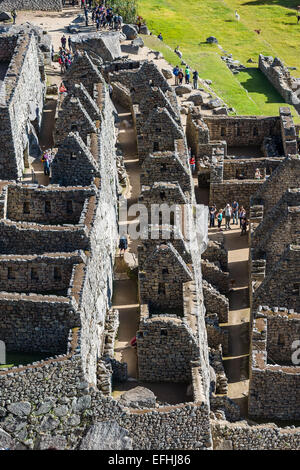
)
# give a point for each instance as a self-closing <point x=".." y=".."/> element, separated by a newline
<point x="58" y="244"/>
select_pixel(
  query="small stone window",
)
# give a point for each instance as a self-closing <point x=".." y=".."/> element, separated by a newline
<point x="223" y="132"/>
<point x="238" y="131"/>
<point x="57" y="273"/>
<point x="163" y="167"/>
<point x="155" y="146"/>
<point x="34" y="274"/>
<point x="162" y="195"/>
<point x="69" y="207"/>
<point x="11" y="273"/>
<point x="165" y="271"/>
<point x="47" y="207"/>
<point x="255" y="131"/>
<point x="161" y="288"/>
<point x="158" y="130"/>
<point x="163" y="332"/>
<point x="26" y="207"/>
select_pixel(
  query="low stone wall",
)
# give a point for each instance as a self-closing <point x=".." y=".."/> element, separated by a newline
<point x="47" y="5"/>
<point x="215" y="302"/>
<point x="241" y="436"/>
<point x="215" y="276"/>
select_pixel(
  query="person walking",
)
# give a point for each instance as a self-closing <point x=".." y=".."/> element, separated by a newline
<point x="14" y="15"/>
<point x="175" y="73"/>
<point x="63" y="41"/>
<point x="193" y="163"/>
<point x="180" y="76"/>
<point x="228" y="212"/>
<point x="46" y="165"/>
<point x="212" y="215"/>
<point x="244" y="226"/>
<point x="187" y="75"/>
<point x="69" y="42"/>
<point x="219" y="219"/>
<point x="195" y="79"/>
<point x="235" y="212"/>
<point x="123" y="244"/>
<point x="242" y="214"/>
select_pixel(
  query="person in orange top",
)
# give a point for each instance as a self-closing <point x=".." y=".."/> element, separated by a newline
<point x="62" y="88"/>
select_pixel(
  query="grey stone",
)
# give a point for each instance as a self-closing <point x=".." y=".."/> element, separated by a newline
<point x="214" y="103"/>
<point x="167" y="73"/>
<point x="183" y="89"/>
<point x="83" y="403"/>
<point x="20" y="408"/>
<point x="144" y="30"/>
<point x="130" y="31"/>
<point x="51" y="442"/>
<point x="138" y="397"/>
<point x="49" y="423"/>
<point x="196" y="98"/>
<point x="138" y="42"/>
<point x="44" y="407"/>
<point x="106" y="436"/>
<point x="61" y="411"/>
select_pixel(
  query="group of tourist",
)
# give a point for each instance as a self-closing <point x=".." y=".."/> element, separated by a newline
<point x="65" y="56"/>
<point x="233" y="212"/>
<point x="102" y="16"/>
<point x="179" y="75"/>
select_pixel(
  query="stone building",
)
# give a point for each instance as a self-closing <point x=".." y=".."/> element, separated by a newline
<point x="22" y="93"/>
<point x="229" y="149"/>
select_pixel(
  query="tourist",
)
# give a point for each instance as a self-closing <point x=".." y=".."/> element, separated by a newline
<point x="257" y="175"/>
<point x="193" y="163"/>
<point x="46" y="164"/>
<point x="62" y="88"/>
<point x="63" y="41"/>
<point x="235" y="212"/>
<point x="219" y="219"/>
<point x="175" y="73"/>
<point x="123" y="244"/>
<point x="52" y="53"/>
<point x="62" y="63"/>
<point x="244" y="226"/>
<point x="228" y="212"/>
<point x="212" y="215"/>
<point x="180" y="76"/>
<point x="14" y="15"/>
<point x="160" y="37"/>
<point x="195" y="79"/>
<point x="242" y="214"/>
<point x="69" y="42"/>
<point x="187" y="75"/>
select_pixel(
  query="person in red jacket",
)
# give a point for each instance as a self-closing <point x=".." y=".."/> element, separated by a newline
<point x="193" y="163"/>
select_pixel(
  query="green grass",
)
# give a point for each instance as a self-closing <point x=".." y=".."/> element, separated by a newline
<point x="189" y="24"/>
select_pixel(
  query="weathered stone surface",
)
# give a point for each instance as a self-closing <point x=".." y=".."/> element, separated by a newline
<point x="106" y="44"/>
<point x="167" y="73"/>
<point x="106" y="436"/>
<point x="20" y="409"/>
<point x="196" y="98"/>
<point x="130" y="31"/>
<point x="183" y="89"/>
<point x="51" y="442"/>
<point x="138" y="397"/>
<point x="138" y="42"/>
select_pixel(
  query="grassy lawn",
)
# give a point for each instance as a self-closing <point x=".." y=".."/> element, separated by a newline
<point x="189" y="24"/>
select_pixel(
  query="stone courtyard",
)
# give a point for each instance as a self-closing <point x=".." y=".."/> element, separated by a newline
<point x="185" y="342"/>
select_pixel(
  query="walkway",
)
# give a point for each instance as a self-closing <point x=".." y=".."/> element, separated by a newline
<point x="236" y="363"/>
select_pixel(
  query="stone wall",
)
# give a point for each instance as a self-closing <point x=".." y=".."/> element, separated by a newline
<point x="48" y="205"/>
<point x="21" y="105"/>
<point x="244" y="436"/>
<point x="273" y="388"/>
<point x="242" y="130"/>
<point x="231" y="190"/>
<point x="42" y="274"/>
<point x="214" y="275"/>
<point x="215" y="302"/>
<point x="47" y="5"/>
